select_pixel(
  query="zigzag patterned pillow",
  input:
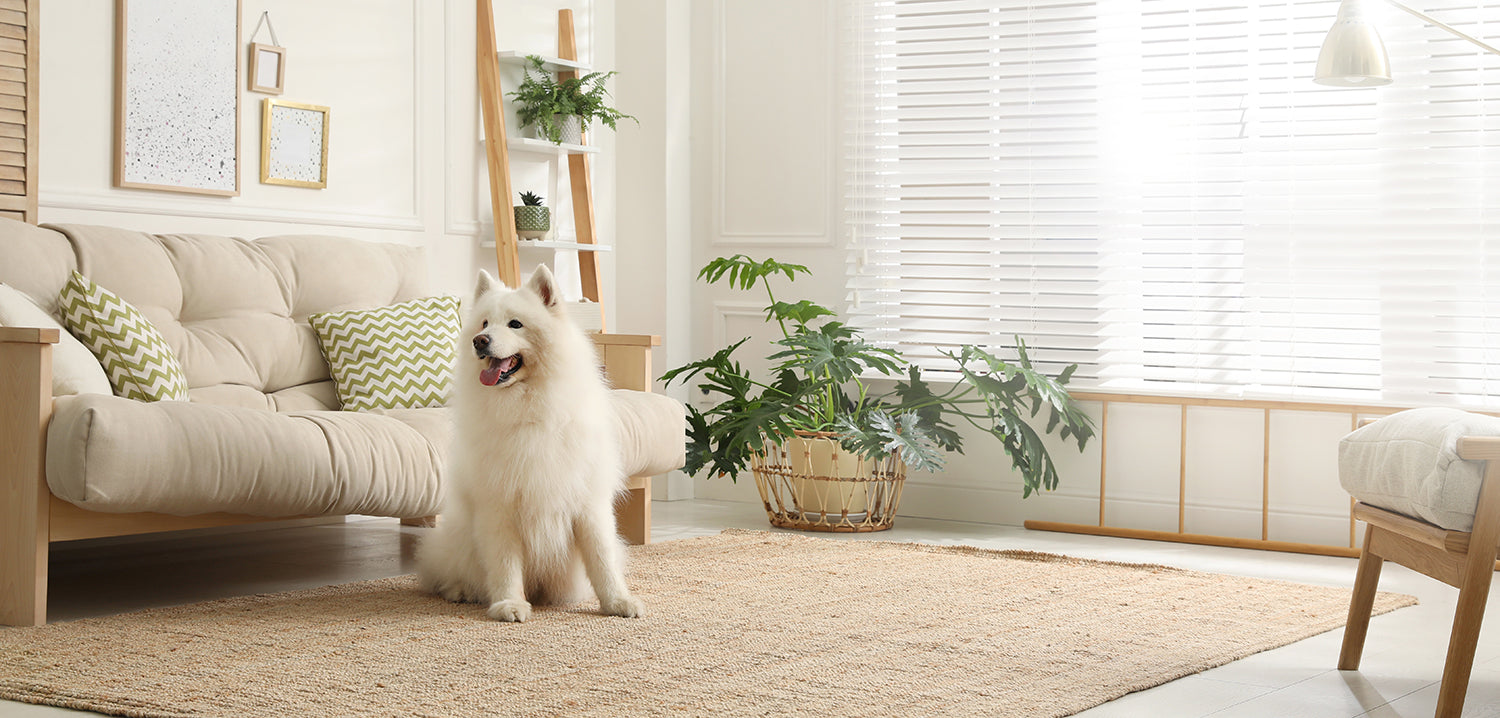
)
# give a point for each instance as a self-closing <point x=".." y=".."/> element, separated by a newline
<point x="139" y="362"/>
<point x="396" y="357"/>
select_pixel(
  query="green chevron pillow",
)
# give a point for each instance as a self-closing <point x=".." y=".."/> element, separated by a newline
<point x="139" y="362"/>
<point x="395" y="357"/>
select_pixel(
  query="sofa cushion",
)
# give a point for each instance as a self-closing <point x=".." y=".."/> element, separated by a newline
<point x="106" y="453"/>
<point x="394" y="357"/>
<point x="138" y="361"/>
<point x="235" y="311"/>
<point x="74" y="368"/>
<point x="1408" y="463"/>
<point x="652" y="431"/>
<point x="37" y="261"/>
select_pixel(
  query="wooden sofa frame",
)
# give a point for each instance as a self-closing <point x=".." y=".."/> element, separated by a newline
<point x="31" y="518"/>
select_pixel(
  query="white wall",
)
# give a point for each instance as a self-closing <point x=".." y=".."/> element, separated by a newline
<point x="405" y="162"/>
<point x="766" y="183"/>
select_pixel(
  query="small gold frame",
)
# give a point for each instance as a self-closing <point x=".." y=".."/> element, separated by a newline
<point x="264" y="54"/>
<point x="293" y="159"/>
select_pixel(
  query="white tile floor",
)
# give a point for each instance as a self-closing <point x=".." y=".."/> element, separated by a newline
<point x="1402" y="664"/>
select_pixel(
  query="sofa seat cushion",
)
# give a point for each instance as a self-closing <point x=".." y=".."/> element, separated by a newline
<point x="1408" y="463"/>
<point x="106" y="453"/>
<point x="652" y="432"/>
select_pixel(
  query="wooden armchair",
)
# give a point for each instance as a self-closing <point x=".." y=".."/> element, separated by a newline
<point x="1464" y="560"/>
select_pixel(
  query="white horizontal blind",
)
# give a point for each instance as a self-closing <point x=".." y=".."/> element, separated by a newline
<point x="1156" y="190"/>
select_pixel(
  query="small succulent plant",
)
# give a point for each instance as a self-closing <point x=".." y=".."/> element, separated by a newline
<point x="531" y="199"/>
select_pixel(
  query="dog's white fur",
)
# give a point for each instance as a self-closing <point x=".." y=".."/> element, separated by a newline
<point x="535" y="465"/>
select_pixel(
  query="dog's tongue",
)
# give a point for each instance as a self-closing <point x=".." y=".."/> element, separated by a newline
<point x="490" y="375"/>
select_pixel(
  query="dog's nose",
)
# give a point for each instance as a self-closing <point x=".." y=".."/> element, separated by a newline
<point x="481" y="343"/>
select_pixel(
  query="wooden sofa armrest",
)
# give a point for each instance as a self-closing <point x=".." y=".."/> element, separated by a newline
<point x="627" y="359"/>
<point x="627" y="363"/>
<point x="25" y="408"/>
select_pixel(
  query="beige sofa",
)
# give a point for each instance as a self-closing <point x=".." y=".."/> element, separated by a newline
<point x="262" y="435"/>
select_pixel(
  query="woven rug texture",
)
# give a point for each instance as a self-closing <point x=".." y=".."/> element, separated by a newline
<point x="742" y="623"/>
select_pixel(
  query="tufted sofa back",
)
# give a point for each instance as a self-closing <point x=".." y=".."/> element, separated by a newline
<point x="234" y="311"/>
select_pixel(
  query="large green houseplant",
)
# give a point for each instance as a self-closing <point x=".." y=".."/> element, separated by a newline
<point x="820" y="384"/>
<point x="547" y="104"/>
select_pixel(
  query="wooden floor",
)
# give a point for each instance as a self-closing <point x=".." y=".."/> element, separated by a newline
<point x="1402" y="662"/>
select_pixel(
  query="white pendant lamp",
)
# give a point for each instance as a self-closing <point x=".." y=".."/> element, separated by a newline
<point x="1353" y="54"/>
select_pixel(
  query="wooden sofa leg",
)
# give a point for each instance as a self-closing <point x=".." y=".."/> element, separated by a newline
<point x="633" y="513"/>
<point x="1366" y="579"/>
<point x="25" y="408"/>
<point x="425" y="522"/>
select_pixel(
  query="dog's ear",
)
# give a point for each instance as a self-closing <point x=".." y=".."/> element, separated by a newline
<point x="485" y="284"/>
<point x="542" y="283"/>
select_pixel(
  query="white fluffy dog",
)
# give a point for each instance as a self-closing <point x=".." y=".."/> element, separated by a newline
<point x="535" y="464"/>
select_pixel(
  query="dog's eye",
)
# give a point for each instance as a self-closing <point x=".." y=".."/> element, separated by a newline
<point x="484" y="324"/>
<point x="514" y="324"/>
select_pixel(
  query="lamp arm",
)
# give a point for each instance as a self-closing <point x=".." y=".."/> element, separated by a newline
<point x="1434" y="21"/>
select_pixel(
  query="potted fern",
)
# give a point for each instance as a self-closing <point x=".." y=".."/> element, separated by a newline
<point x="532" y="218"/>
<point x="561" y="111"/>
<point x="828" y="450"/>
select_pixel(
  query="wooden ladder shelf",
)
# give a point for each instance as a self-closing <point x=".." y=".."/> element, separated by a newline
<point x="497" y="155"/>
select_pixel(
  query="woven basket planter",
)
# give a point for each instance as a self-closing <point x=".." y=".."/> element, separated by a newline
<point x="811" y="483"/>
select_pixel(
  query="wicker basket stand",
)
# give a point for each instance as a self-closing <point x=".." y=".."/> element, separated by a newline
<point x="810" y="482"/>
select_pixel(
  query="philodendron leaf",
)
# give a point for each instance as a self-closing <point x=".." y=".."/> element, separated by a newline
<point x="801" y="312"/>
<point x="744" y="271"/>
<point x="904" y="434"/>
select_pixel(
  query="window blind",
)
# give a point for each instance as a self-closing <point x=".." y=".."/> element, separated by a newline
<point x="1156" y="191"/>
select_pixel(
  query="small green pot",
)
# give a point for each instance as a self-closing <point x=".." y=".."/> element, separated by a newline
<point x="532" y="222"/>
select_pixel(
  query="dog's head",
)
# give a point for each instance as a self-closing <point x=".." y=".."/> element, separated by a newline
<point x="509" y="329"/>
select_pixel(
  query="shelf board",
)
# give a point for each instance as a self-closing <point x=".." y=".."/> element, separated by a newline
<point x="543" y="147"/>
<point x="550" y="64"/>
<point x="553" y="244"/>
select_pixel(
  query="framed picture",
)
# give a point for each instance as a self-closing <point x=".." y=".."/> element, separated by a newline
<point x="177" y="91"/>
<point x="293" y="144"/>
<point x="267" y="68"/>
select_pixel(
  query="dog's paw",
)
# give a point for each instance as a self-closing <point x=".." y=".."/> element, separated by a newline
<point x="510" y="610"/>
<point x="626" y="607"/>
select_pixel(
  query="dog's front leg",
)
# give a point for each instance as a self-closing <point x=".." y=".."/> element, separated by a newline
<point x="604" y="561"/>
<point x="502" y="558"/>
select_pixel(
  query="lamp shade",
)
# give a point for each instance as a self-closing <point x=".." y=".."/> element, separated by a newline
<point x="1353" y="54"/>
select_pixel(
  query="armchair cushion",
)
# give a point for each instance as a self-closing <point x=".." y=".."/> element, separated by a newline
<point x="1408" y="463"/>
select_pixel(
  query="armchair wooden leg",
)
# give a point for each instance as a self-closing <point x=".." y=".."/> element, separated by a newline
<point x="1465" y="637"/>
<point x="633" y="513"/>
<point x="1366" y="578"/>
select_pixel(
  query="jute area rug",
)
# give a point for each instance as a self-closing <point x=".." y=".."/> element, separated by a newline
<point x="743" y="623"/>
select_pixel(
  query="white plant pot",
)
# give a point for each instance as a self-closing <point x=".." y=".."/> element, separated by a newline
<point x="570" y="126"/>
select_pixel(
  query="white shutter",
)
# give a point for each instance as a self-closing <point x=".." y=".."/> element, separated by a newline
<point x="1156" y="190"/>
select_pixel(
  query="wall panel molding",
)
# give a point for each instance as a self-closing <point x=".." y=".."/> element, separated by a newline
<point x="822" y="236"/>
<point x="125" y="204"/>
